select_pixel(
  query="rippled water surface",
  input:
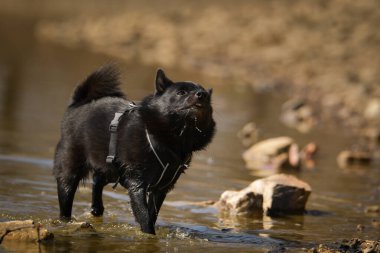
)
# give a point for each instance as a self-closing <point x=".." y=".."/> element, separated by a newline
<point x="36" y="80"/>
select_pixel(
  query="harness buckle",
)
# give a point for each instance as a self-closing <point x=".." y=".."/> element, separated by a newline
<point x="110" y="159"/>
<point x="113" y="127"/>
<point x="115" y="122"/>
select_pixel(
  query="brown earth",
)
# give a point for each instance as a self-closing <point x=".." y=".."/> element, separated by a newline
<point x="324" y="51"/>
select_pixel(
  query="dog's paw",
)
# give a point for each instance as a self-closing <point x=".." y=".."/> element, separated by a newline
<point x="97" y="212"/>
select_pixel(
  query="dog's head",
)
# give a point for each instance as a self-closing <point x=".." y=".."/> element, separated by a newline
<point x="186" y="100"/>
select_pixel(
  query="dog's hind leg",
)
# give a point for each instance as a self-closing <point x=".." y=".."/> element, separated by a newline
<point x="68" y="171"/>
<point x="66" y="187"/>
<point x="99" y="181"/>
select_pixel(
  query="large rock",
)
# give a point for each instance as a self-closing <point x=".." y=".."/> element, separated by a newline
<point x="275" y="194"/>
<point x="282" y="193"/>
<point x="25" y="230"/>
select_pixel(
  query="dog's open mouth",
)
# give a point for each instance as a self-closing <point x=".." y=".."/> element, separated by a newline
<point x="193" y="106"/>
<point x="198" y="105"/>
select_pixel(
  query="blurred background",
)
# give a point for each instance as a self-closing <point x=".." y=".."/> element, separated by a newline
<point x="308" y="70"/>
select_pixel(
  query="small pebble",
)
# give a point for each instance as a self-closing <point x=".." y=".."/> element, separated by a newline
<point x="360" y="227"/>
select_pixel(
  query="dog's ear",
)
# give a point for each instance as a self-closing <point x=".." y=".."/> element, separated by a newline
<point x="162" y="82"/>
<point x="210" y="92"/>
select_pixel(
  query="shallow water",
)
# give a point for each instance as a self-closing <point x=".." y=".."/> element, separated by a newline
<point x="36" y="80"/>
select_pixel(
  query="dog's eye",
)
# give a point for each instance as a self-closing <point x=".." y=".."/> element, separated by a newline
<point x="181" y="92"/>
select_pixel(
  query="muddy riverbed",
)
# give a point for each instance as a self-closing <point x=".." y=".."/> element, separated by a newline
<point x="36" y="80"/>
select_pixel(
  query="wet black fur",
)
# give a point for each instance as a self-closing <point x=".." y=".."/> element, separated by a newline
<point x="178" y="118"/>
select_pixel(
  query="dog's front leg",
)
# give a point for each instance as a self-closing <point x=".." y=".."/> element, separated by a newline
<point x="154" y="204"/>
<point x="137" y="193"/>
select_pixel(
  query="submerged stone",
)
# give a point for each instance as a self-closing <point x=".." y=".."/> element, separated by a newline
<point x="23" y="230"/>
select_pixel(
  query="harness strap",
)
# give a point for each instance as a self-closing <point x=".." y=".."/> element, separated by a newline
<point x="113" y="138"/>
<point x="112" y="147"/>
<point x="164" y="167"/>
<point x="182" y="166"/>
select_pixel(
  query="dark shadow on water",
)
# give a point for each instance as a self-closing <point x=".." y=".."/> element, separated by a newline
<point x="220" y="236"/>
<point x="318" y="213"/>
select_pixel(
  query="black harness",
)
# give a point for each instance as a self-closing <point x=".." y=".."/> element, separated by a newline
<point x="113" y="161"/>
<point x="111" y="157"/>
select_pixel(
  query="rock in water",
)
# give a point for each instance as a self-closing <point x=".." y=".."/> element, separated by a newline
<point x="297" y="114"/>
<point x="354" y="159"/>
<point x="282" y="194"/>
<point x="249" y="134"/>
<point x="275" y="194"/>
<point x="240" y="202"/>
<point x="373" y="209"/>
<point x="268" y="153"/>
<point x="25" y="230"/>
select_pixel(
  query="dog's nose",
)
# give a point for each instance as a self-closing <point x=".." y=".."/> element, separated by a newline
<point x="201" y="95"/>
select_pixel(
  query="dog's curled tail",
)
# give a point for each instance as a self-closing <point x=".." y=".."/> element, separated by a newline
<point x="104" y="82"/>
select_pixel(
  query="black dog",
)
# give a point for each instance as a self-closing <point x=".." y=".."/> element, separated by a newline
<point x="153" y="143"/>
